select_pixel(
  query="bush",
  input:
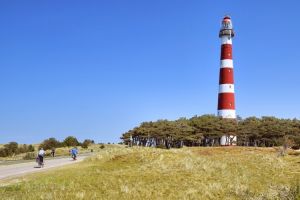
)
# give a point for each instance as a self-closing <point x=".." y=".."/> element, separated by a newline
<point x="50" y="143"/>
<point x="3" y="152"/>
<point x="12" y="148"/>
<point x="30" y="148"/>
<point x="71" y="141"/>
<point x="89" y="141"/>
<point x="9" y="149"/>
<point x="29" y="156"/>
<point x="23" y="149"/>
<point x="102" y="146"/>
<point x="86" y="143"/>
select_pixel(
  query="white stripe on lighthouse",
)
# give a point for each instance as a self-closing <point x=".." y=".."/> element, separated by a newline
<point x="227" y="63"/>
<point x="227" y="114"/>
<point x="226" y="88"/>
<point x="226" y="39"/>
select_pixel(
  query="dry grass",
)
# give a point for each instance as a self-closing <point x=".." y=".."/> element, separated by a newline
<point x="188" y="173"/>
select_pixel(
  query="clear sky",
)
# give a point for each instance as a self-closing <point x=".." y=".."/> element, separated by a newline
<point x="95" y="69"/>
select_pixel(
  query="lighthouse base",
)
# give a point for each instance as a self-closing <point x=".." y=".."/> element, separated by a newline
<point x="230" y="114"/>
<point x="228" y="140"/>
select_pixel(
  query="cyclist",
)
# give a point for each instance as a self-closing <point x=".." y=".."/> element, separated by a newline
<point x="74" y="153"/>
<point x="41" y="155"/>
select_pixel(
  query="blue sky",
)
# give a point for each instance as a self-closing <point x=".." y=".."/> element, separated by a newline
<point x="95" y="69"/>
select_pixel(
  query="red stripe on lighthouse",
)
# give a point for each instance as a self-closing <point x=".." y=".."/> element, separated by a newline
<point x="226" y="76"/>
<point x="226" y="51"/>
<point x="226" y="101"/>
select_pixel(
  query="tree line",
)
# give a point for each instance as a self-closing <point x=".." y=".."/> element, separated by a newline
<point x="69" y="141"/>
<point x="13" y="148"/>
<point x="206" y="130"/>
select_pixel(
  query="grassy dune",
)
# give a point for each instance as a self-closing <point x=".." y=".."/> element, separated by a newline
<point x="146" y="173"/>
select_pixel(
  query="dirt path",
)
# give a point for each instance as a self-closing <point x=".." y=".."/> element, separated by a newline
<point x="31" y="167"/>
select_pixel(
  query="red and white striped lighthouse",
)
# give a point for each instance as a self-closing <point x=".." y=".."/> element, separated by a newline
<point x="226" y="104"/>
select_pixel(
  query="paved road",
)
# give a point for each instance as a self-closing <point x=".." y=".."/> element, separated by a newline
<point x="31" y="167"/>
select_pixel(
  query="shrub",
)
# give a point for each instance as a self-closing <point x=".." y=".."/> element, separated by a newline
<point x="23" y="149"/>
<point x="86" y="143"/>
<point x="30" y="148"/>
<point x="70" y="141"/>
<point x="29" y="156"/>
<point x="89" y="141"/>
<point x="12" y="148"/>
<point x="102" y="146"/>
<point x="50" y="143"/>
<point x="3" y="152"/>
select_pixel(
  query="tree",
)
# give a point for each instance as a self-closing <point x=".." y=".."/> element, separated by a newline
<point x="206" y="130"/>
<point x="70" y="141"/>
<point x="50" y="143"/>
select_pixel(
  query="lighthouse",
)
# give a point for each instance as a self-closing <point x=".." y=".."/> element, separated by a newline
<point x="226" y="103"/>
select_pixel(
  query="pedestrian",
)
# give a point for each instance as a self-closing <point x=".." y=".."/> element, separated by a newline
<point x="53" y="152"/>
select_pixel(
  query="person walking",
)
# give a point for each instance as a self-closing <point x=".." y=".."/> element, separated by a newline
<point x="53" y="152"/>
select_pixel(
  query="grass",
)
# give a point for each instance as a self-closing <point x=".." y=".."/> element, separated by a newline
<point x="146" y="173"/>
